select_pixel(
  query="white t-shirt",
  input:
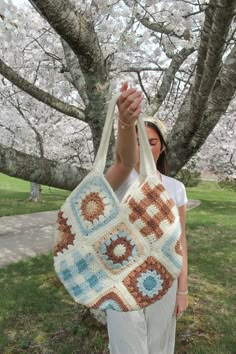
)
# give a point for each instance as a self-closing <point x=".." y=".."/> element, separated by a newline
<point x="175" y="188"/>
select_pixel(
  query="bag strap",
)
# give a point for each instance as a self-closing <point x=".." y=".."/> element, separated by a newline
<point x="147" y="164"/>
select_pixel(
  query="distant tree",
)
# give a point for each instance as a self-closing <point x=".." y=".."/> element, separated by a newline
<point x="218" y="155"/>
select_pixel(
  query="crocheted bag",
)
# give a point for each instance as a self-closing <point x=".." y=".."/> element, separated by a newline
<point x="121" y="256"/>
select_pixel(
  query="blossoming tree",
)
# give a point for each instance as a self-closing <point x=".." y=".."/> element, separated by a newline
<point x="62" y="60"/>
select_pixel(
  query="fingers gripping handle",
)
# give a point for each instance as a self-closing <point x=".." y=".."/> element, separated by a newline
<point x="147" y="164"/>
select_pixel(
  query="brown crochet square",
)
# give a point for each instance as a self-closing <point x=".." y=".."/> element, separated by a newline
<point x="151" y="196"/>
<point x="113" y="295"/>
<point x="131" y="281"/>
<point x="65" y="236"/>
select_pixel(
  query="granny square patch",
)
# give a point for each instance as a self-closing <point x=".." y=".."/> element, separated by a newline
<point x="171" y="248"/>
<point x="77" y="273"/>
<point x="93" y="206"/>
<point x="148" y="282"/>
<point x="111" y="300"/>
<point x="64" y="237"/>
<point x="151" y="211"/>
<point x="119" y="248"/>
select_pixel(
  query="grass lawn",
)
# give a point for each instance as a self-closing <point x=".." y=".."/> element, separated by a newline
<point x="38" y="316"/>
<point x="14" y="194"/>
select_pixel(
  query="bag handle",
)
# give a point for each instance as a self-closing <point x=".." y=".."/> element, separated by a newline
<point x="147" y="164"/>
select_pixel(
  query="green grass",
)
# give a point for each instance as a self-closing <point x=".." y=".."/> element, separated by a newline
<point x="38" y="316"/>
<point x="14" y="195"/>
<point x="210" y="319"/>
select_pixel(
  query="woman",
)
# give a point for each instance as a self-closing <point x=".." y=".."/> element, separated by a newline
<point x="152" y="329"/>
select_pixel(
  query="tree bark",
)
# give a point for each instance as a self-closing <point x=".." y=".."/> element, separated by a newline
<point x="75" y="72"/>
<point x="211" y="93"/>
<point x="216" y="28"/>
<point x="168" y="78"/>
<point x="40" y="170"/>
<point x="78" y="31"/>
<point x="184" y="143"/>
<point x="35" y="192"/>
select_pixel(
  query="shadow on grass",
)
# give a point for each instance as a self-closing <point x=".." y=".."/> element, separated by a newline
<point x="38" y="316"/>
<point x="29" y="279"/>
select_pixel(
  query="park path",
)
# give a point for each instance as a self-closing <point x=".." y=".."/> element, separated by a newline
<point x="24" y="236"/>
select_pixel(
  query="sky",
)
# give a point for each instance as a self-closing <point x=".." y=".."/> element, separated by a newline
<point x="18" y="2"/>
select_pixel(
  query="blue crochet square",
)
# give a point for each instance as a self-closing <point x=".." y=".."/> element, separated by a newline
<point x="66" y="274"/>
<point x="79" y="277"/>
<point x="81" y="266"/>
<point x="93" y="206"/>
<point x="77" y="291"/>
<point x="168" y="246"/>
<point x="93" y="281"/>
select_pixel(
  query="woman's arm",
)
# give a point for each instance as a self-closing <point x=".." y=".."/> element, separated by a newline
<point x="129" y="105"/>
<point x="182" y="300"/>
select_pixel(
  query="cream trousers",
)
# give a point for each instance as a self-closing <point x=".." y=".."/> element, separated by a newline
<point x="147" y="331"/>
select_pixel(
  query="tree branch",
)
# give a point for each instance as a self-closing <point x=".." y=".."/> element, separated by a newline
<point x="160" y="28"/>
<point x="168" y="78"/>
<point x="39" y="94"/>
<point x="75" y="72"/>
<point x="155" y="26"/>
<point x="39" y="139"/>
<point x="142" y="87"/>
<point x="222" y="93"/>
<point x="78" y="31"/>
<point x="211" y="50"/>
<point x="139" y="70"/>
<point x="184" y="140"/>
<point x="40" y="170"/>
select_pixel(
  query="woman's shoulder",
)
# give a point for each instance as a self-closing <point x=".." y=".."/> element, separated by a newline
<point x="176" y="190"/>
<point x="173" y="182"/>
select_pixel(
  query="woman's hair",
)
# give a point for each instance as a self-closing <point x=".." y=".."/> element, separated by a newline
<point x="162" y="164"/>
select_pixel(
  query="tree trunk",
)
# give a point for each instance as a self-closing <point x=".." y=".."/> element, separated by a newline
<point x="35" y="192"/>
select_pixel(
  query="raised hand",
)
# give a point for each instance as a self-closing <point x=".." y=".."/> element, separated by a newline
<point x="129" y="104"/>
